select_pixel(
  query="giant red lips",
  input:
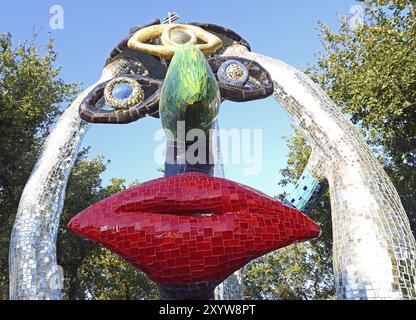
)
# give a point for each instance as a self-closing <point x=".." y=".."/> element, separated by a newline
<point x="192" y="227"/>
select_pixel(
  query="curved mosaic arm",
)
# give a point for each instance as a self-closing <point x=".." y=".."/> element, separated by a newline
<point x="33" y="269"/>
<point x="373" y="245"/>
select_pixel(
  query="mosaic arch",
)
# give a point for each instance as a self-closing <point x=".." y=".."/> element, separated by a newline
<point x="192" y="230"/>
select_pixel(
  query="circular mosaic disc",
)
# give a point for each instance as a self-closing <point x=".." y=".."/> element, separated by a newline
<point x="233" y="72"/>
<point x="123" y="92"/>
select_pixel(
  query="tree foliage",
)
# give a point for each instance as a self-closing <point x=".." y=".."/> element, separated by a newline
<point x="106" y="276"/>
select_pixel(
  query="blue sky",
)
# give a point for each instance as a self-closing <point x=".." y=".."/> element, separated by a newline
<point x="286" y="30"/>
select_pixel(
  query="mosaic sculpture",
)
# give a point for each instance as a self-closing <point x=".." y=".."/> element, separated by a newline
<point x="193" y="232"/>
<point x="190" y="230"/>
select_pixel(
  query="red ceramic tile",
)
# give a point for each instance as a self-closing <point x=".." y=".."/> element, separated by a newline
<point x="192" y="227"/>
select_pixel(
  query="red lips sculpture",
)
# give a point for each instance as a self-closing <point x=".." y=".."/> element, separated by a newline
<point x="192" y="227"/>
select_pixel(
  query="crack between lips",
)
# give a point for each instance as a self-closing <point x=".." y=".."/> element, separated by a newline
<point x="172" y="213"/>
<point x="184" y="207"/>
<point x="178" y="211"/>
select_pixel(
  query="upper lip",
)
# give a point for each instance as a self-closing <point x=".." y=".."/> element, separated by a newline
<point x="192" y="227"/>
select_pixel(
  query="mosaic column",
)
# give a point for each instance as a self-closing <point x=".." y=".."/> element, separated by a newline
<point x="33" y="269"/>
<point x="232" y="287"/>
<point x="373" y="245"/>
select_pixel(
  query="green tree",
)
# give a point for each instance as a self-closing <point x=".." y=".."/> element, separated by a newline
<point x="106" y="276"/>
<point x="31" y="94"/>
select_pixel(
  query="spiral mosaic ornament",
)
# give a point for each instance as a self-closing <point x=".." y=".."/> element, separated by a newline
<point x="254" y="82"/>
<point x="123" y="93"/>
<point x="141" y="100"/>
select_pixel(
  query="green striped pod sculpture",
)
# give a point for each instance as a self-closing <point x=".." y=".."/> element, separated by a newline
<point x="190" y="92"/>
